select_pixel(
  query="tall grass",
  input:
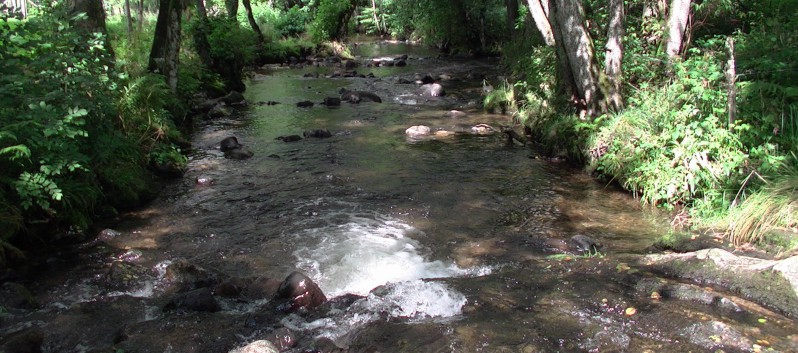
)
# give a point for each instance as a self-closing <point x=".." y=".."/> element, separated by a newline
<point x="772" y="207"/>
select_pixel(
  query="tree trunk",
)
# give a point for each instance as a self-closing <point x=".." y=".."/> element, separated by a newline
<point x="540" y="13"/>
<point x="614" y="54"/>
<point x="252" y="23"/>
<point x="128" y="18"/>
<point x="200" y="36"/>
<point x="95" y="18"/>
<point x="731" y="79"/>
<point x="677" y="25"/>
<point x="17" y="8"/>
<point x="164" y="56"/>
<point x="232" y="8"/>
<point x="576" y="57"/>
<point x="512" y="16"/>
<point x="141" y="16"/>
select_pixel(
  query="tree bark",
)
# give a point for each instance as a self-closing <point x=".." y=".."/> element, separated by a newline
<point x="200" y="36"/>
<point x="232" y="8"/>
<point x="512" y="16"/>
<point x="95" y="18"/>
<point x="128" y="18"/>
<point x="540" y="14"/>
<point x="677" y="25"/>
<point x="141" y="16"/>
<point x="614" y="54"/>
<point x="164" y="56"/>
<point x="576" y="58"/>
<point x="251" y="19"/>
<point x="731" y="80"/>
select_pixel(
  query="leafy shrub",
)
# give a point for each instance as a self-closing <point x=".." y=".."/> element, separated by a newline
<point x="330" y="20"/>
<point x="293" y="22"/>
<point x="672" y="146"/>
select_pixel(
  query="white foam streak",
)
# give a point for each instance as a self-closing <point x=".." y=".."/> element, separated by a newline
<point x="360" y="255"/>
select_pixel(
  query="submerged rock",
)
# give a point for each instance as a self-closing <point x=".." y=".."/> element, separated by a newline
<point x="196" y="300"/>
<point x="28" y="340"/>
<point x="318" y="133"/>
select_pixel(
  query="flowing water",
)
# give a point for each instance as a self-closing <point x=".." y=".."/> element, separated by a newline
<point x="451" y="243"/>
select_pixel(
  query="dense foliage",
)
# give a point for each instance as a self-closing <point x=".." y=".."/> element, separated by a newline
<point x="75" y="136"/>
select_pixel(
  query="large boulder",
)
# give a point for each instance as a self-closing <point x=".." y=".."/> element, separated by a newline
<point x="771" y="283"/>
<point x="298" y="291"/>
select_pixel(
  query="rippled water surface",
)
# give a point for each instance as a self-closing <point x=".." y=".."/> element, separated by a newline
<point x="455" y="232"/>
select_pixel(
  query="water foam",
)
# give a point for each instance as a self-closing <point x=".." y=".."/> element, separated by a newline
<point x="379" y="258"/>
<point x="364" y="253"/>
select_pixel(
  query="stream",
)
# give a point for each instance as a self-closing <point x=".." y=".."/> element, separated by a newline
<point x="453" y="242"/>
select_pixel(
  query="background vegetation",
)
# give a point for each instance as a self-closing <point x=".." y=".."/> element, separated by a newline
<point x="86" y="127"/>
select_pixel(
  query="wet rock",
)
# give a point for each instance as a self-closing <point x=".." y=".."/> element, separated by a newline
<point x="317" y="133"/>
<point x="232" y="287"/>
<point x="204" y="181"/>
<point x="229" y="143"/>
<point x="304" y="104"/>
<point x="261" y="346"/>
<point x="298" y="292"/>
<point x="716" y="335"/>
<point x="16" y="296"/>
<point x="432" y="90"/>
<point x="283" y="339"/>
<point x="261" y="288"/>
<point x="455" y="114"/>
<point x="28" y="340"/>
<point x="425" y="79"/>
<point x="124" y="275"/>
<point x="656" y="289"/>
<point x="482" y="129"/>
<point x="220" y="111"/>
<point x="289" y="138"/>
<point x="418" y="131"/>
<point x="131" y="255"/>
<point x="183" y="275"/>
<point x="584" y="243"/>
<point x="196" y="300"/>
<point x="401" y="63"/>
<point x="107" y="235"/>
<point x="239" y="154"/>
<point x="311" y="75"/>
<point x="770" y="283"/>
<point x="404" y="81"/>
<point x="331" y="101"/>
<point x="358" y="96"/>
<point x="233" y="98"/>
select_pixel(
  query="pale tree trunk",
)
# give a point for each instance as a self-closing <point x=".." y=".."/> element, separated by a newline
<point x="614" y="54"/>
<point x="731" y="79"/>
<point x="128" y="18"/>
<point x="540" y="14"/>
<point x="251" y="19"/>
<point x="164" y="56"/>
<point x="677" y="25"/>
<point x="18" y="8"/>
<point x="576" y="57"/>
<point x="232" y="8"/>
